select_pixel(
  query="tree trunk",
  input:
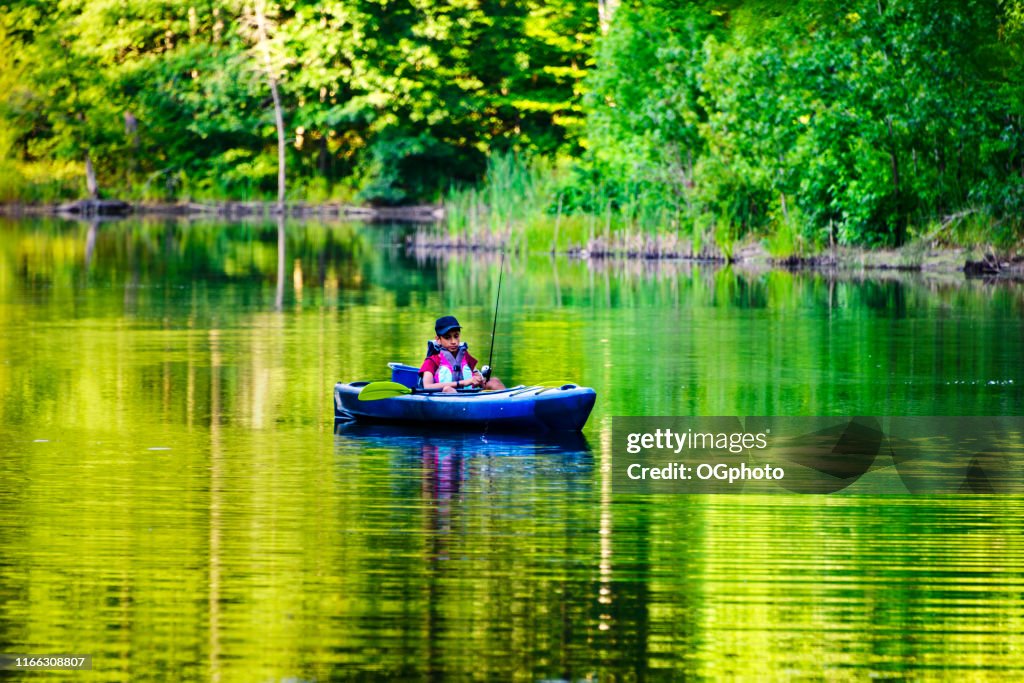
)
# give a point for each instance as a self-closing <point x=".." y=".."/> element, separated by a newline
<point x="896" y="183"/>
<point x="323" y="157"/>
<point x="261" y="25"/>
<point x="131" y="129"/>
<point x="90" y="178"/>
<point x="605" y="14"/>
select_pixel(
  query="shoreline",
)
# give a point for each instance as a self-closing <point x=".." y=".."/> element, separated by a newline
<point x="913" y="258"/>
<point x="113" y="208"/>
<point x="979" y="262"/>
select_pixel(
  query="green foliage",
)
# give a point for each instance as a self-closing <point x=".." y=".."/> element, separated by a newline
<point x="871" y="118"/>
<point x="512" y="202"/>
<point x="644" y="108"/>
<point x="726" y="235"/>
<point x="787" y="237"/>
<point x="387" y="102"/>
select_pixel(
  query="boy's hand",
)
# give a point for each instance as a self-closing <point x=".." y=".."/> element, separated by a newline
<point x="448" y="389"/>
<point x="478" y="380"/>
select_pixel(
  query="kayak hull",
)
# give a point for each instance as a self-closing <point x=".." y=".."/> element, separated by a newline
<point x="540" y="409"/>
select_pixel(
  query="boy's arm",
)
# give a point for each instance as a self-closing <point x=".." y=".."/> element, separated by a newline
<point x="478" y="377"/>
<point x="427" y="370"/>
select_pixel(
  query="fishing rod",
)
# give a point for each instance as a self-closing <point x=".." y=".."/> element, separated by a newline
<point x="486" y="370"/>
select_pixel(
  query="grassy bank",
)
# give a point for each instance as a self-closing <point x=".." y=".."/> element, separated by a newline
<point x="538" y="205"/>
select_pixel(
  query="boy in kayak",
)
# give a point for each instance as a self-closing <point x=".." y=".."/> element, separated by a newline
<point x="452" y="367"/>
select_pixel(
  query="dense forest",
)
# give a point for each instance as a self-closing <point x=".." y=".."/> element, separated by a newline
<point x="863" y="122"/>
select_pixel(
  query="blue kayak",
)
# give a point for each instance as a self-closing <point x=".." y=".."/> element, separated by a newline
<point x="541" y="409"/>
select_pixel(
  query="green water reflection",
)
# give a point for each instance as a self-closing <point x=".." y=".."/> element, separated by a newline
<point x="175" y="500"/>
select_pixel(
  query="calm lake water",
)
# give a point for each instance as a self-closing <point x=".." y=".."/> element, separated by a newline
<point x="175" y="501"/>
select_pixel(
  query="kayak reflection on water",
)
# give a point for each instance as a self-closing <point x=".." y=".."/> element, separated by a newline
<point x="457" y="467"/>
<point x="445" y="454"/>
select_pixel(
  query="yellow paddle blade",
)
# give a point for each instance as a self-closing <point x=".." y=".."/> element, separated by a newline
<point x="375" y="391"/>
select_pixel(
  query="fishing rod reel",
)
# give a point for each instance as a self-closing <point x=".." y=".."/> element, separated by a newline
<point x="486" y="372"/>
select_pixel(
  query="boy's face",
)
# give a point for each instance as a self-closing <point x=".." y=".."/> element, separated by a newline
<point x="450" y="340"/>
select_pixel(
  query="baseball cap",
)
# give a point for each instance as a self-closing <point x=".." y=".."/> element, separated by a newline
<point x="446" y="324"/>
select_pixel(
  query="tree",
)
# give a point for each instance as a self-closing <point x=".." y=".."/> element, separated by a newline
<point x="263" y="47"/>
